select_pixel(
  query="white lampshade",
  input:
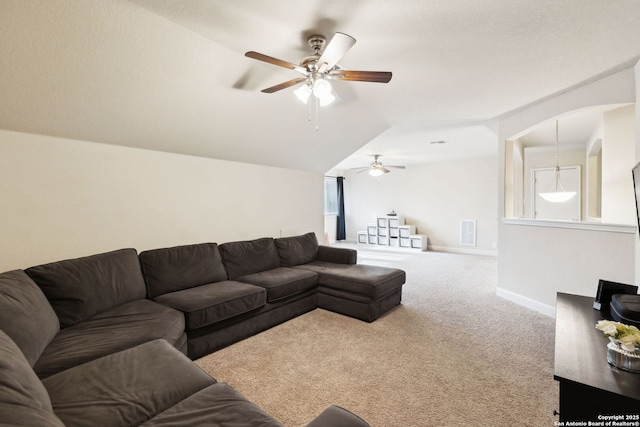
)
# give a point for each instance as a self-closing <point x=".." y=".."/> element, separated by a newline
<point x="322" y="91"/>
<point x="303" y="93"/>
<point x="327" y="99"/>
<point x="321" y="88"/>
<point x="558" y="196"/>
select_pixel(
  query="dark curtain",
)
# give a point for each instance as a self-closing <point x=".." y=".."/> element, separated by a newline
<point x="341" y="233"/>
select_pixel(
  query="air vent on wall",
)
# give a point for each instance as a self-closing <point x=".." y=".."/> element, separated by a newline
<point x="468" y="232"/>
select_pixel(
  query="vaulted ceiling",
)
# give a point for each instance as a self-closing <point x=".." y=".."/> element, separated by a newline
<point x="171" y="75"/>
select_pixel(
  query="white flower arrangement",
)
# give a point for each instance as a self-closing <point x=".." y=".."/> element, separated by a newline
<point x="627" y="337"/>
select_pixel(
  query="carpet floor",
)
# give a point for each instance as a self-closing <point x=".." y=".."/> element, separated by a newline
<point x="452" y="354"/>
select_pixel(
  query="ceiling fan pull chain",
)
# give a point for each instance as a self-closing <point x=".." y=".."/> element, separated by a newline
<point x="317" y="113"/>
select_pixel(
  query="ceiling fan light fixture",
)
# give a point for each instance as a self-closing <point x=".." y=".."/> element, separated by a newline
<point x="322" y="91"/>
<point x="376" y="172"/>
<point x="327" y="99"/>
<point x="303" y="93"/>
<point x="321" y="88"/>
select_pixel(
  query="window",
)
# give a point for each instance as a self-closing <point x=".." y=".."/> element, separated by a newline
<point x="330" y="196"/>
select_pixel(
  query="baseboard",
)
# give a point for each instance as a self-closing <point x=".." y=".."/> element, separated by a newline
<point x="429" y="248"/>
<point x="463" y="250"/>
<point x="532" y="304"/>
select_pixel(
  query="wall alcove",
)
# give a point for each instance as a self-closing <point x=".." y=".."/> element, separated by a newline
<point x="596" y="145"/>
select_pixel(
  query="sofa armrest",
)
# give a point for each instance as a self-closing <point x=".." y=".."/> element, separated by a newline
<point x="335" y="416"/>
<point x="337" y="255"/>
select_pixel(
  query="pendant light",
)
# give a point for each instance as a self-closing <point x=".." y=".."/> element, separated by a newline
<point x="558" y="195"/>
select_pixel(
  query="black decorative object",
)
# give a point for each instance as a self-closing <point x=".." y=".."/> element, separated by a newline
<point x="606" y="289"/>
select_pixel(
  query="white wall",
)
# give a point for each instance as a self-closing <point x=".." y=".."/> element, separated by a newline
<point x="63" y="198"/>
<point x="536" y="262"/>
<point x="434" y="197"/>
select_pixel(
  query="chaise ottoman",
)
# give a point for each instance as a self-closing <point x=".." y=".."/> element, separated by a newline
<point x="364" y="292"/>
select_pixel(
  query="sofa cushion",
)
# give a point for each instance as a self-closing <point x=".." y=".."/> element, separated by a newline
<point x="252" y="256"/>
<point x="25" y="314"/>
<point x="111" y="331"/>
<point x="125" y="388"/>
<point x="180" y="267"/>
<point x="78" y="289"/>
<point x="370" y="281"/>
<point x="23" y="398"/>
<point x="211" y="303"/>
<point x="297" y="250"/>
<point x="216" y="405"/>
<point x="282" y="282"/>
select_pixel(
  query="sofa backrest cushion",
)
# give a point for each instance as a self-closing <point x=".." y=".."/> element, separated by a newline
<point x="297" y="250"/>
<point x="248" y="257"/>
<point x="26" y="315"/>
<point x="80" y="288"/>
<point x="24" y="400"/>
<point x="181" y="267"/>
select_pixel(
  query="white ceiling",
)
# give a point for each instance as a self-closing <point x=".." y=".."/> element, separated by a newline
<point x="171" y="75"/>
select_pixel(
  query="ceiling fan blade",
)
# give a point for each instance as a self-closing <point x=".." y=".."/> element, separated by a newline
<point x="361" y="169"/>
<point x="395" y="167"/>
<point x="276" y="61"/>
<point x="362" y="76"/>
<point x="284" y="85"/>
<point x="339" y="44"/>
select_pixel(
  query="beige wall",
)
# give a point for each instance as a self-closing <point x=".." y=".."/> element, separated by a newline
<point x="434" y="197"/>
<point x="63" y="198"/>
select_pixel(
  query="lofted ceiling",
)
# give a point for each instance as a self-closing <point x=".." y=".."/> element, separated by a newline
<point x="171" y="75"/>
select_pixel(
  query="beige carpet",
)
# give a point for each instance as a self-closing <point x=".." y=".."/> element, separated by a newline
<point x="453" y="354"/>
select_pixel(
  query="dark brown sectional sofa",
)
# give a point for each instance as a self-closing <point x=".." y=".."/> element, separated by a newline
<point x="107" y="339"/>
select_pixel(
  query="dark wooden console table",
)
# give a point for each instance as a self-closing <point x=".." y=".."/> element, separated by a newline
<point x="590" y="388"/>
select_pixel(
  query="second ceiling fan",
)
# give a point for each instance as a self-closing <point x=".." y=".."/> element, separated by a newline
<point x="320" y="67"/>
<point x="376" y="168"/>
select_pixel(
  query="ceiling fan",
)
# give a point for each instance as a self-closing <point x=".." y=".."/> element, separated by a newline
<point x="376" y="168"/>
<point x="320" y="67"/>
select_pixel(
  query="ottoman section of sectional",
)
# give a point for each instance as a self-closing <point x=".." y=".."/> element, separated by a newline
<point x="361" y="291"/>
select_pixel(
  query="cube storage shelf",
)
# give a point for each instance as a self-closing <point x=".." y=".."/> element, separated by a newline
<point x="390" y="230"/>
